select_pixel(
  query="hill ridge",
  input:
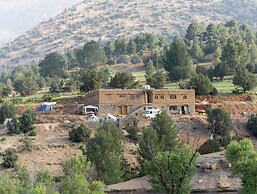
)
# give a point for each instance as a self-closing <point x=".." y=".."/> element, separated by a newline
<point x="107" y="19"/>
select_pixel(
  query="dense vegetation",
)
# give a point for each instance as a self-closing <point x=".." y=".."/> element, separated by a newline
<point x="203" y="55"/>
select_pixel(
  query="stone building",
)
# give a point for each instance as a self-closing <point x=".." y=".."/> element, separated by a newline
<point x="126" y="101"/>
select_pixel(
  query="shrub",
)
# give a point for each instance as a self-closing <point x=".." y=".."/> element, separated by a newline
<point x="136" y="59"/>
<point x="47" y="98"/>
<point x="27" y="120"/>
<point x="210" y="146"/>
<point x="6" y="111"/>
<point x="9" y="158"/>
<point x="133" y="132"/>
<point x="26" y="144"/>
<point x="13" y="126"/>
<point x="252" y="124"/>
<point x="32" y="133"/>
<point x="125" y="59"/>
<point x="80" y="134"/>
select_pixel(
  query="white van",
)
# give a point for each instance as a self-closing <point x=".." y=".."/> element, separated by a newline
<point x="151" y="113"/>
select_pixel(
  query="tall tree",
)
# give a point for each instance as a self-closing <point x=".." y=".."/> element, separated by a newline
<point x="91" y="79"/>
<point x="77" y="180"/>
<point x="124" y="80"/>
<point x="201" y="84"/>
<point x="243" y="78"/>
<point x="177" y="61"/>
<point x="243" y="158"/>
<point x="104" y="150"/>
<point x="92" y="55"/>
<point x="120" y="46"/>
<point x="196" y="50"/>
<point x="220" y="124"/>
<point x="53" y="64"/>
<point x="132" y="47"/>
<point x="193" y="31"/>
<point x="109" y="50"/>
<point x="169" y="164"/>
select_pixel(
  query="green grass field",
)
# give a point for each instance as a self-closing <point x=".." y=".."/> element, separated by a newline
<point x="224" y="87"/>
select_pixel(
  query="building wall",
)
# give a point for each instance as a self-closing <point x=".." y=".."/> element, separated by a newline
<point x="92" y="98"/>
<point x="169" y="99"/>
<point x="123" y="102"/>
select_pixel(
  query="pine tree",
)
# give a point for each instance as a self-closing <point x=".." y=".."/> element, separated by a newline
<point x="177" y="61"/>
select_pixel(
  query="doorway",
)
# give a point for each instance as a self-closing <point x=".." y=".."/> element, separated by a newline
<point x="149" y="97"/>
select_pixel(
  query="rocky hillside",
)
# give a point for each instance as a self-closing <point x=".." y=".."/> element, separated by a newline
<point x="107" y="19"/>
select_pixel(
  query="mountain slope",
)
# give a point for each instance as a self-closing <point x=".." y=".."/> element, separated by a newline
<point x="107" y="19"/>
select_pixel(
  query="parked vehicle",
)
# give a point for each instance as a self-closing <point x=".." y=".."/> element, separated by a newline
<point x="152" y="113"/>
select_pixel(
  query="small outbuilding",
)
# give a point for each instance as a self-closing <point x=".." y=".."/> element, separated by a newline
<point x="47" y="106"/>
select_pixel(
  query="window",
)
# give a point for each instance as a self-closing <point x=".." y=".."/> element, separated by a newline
<point x="173" y="96"/>
<point x="185" y="97"/>
<point x="122" y="95"/>
<point x="173" y="108"/>
<point x="162" y="96"/>
<point x="156" y="97"/>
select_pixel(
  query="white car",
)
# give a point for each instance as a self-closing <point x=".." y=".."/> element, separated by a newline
<point x="151" y="114"/>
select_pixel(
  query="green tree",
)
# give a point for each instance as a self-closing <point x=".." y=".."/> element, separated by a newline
<point x="80" y="134"/>
<point x="220" y="124"/>
<point x="91" y="55"/>
<point x="45" y="179"/>
<point x="252" y="124"/>
<point x="9" y="185"/>
<point x="149" y="68"/>
<point x="243" y="158"/>
<point x="221" y="70"/>
<point x="120" y="46"/>
<point x="38" y="189"/>
<point x="109" y="50"/>
<point x="26" y="86"/>
<point x="54" y="64"/>
<point x="76" y="179"/>
<point x="201" y="83"/>
<point x="165" y="159"/>
<point x="107" y="73"/>
<point x="196" y="50"/>
<point x="177" y="61"/>
<point x="27" y="120"/>
<point x="132" y="47"/>
<point x="193" y="31"/>
<point x="235" y="53"/>
<point x="217" y="56"/>
<point x="123" y="80"/>
<point x="104" y="150"/>
<point x="9" y="158"/>
<point x="6" y="111"/>
<point x="244" y="79"/>
<point x="23" y="175"/>
<point x="253" y="58"/>
<point x="157" y="80"/>
<point x="171" y="172"/>
<point x="91" y="79"/>
<point x="13" y="126"/>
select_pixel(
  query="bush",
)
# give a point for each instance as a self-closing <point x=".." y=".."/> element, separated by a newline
<point x="214" y="91"/>
<point x="133" y="132"/>
<point x="125" y="59"/>
<point x="136" y="59"/>
<point x="47" y="98"/>
<point x="9" y="158"/>
<point x="32" y="133"/>
<point x="252" y="124"/>
<point x="27" y="120"/>
<point x="210" y="146"/>
<point x="13" y="126"/>
<point x="6" y="111"/>
<point x="80" y="134"/>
